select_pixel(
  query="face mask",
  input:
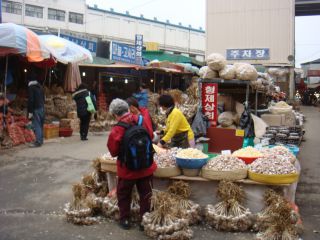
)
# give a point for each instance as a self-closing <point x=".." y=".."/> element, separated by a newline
<point x="162" y="111"/>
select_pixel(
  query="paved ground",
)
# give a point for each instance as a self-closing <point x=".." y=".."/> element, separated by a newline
<point x="35" y="184"/>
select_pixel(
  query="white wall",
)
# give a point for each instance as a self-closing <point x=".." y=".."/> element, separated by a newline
<point x="114" y="27"/>
<point x="241" y="24"/>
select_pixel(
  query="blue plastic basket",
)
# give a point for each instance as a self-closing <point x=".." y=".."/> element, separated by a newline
<point x="191" y="163"/>
<point x="293" y="148"/>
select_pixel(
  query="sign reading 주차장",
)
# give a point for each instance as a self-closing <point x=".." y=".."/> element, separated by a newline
<point x="90" y="45"/>
<point x="248" y="54"/>
<point x="139" y="47"/>
<point x="123" y="53"/>
<point x="210" y="102"/>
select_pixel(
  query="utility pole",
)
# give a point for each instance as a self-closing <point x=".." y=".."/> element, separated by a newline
<point x="0" y="11"/>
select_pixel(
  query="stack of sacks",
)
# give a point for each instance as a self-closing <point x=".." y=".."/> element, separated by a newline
<point x="71" y="121"/>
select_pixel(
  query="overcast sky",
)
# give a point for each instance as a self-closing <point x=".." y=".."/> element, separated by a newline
<point x="193" y="12"/>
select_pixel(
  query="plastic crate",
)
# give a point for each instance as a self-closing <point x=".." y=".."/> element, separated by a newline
<point x="65" y="132"/>
<point x="50" y="131"/>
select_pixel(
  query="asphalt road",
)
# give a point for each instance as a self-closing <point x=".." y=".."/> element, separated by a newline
<point x="36" y="183"/>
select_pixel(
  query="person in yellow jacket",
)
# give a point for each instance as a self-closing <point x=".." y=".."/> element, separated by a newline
<point x="178" y="132"/>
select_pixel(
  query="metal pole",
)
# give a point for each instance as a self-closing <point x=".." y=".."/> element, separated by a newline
<point x="247" y="95"/>
<point x="256" y="105"/>
<point x="154" y="82"/>
<point x="5" y="88"/>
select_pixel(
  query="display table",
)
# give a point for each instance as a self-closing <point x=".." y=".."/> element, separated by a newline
<point x="203" y="191"/>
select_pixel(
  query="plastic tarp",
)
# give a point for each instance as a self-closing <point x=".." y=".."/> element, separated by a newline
<point x="72" y="78"/>
<point x="64" y="50"/>
<point x="16" y="39"/>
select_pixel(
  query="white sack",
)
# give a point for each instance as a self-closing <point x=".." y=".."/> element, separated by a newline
<point x="228" y="72"/>
<point x="216" y="61"/>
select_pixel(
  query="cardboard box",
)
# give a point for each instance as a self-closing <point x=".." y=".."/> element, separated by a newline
<point x="72" y="115"/>
<point x="65" y="123"/>
<point x="75" y="125"/>
<point x="274" y="119"/>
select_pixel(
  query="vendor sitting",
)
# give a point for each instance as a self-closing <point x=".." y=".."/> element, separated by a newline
<point x="178" y="131"/>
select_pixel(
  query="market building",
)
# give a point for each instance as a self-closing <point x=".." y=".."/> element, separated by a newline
<point x="259" y="32"/>
<point x="311" y="71"/>
<point x="96" y="28"/>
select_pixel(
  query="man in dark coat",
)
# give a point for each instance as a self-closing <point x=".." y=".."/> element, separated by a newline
<point x="36" y="106"/>
<point x="83" y="114"/>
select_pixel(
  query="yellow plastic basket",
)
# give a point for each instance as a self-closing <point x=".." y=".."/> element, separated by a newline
<point x="273" y="179"/>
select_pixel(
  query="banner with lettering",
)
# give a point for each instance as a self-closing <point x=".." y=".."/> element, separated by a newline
<point x="210" y="102"/>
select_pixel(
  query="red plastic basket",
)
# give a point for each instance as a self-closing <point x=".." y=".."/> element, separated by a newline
<point x="65" y="132"/>
<point x="248" y="160"/>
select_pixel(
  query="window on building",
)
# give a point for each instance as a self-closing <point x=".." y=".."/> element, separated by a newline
<point x="12" y="7"/>
<point x="55" y="14"/>
<point x="75" y="17"/>
<point x="34" y="11"/>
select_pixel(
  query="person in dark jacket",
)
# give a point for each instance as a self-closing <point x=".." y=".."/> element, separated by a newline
<point x="127" y="178"/>
<point x="35" y="106"/>
<point x="142" y="96"/>
<point x="83" y="114"/>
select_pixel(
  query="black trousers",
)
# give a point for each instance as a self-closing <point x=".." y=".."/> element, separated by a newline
<point x="84" y="125"/>
<point x="124" y="191"/>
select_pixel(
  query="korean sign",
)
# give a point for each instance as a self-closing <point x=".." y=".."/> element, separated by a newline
<point x="139" y="47"/>
<point x="123" y="53"/>
<point x="248" y="54"/>
<point x="210" y="101"/>
<point x="90" y="45"/>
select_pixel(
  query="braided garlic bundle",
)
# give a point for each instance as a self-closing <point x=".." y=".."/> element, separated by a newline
<point x="110" y="207"/>
<point x="187" y="209"/>
<point x="163" y="222"/>
<point x="229" y="214"/>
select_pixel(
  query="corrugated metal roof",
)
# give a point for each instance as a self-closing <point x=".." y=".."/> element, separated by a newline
<point x="314" y="61"/>
<point x="175" y="58"/>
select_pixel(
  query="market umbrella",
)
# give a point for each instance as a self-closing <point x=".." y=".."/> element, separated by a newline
<point x="16" y="39"/>
<point x="19" y="40"/>
<point x="64" y="50"/>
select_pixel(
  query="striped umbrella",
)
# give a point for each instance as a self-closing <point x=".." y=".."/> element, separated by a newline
<point x="16" y="39"/>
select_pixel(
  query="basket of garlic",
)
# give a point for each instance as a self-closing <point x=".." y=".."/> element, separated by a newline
<point x="225" y="167"/>
<point x="166" y="163"/>
<point x="108" y="163"/>
<point x="247" y="154"/>
<point x="191" y="160"/>
<point x="280" y="108"/>
<point x="273" y="169"/>
<point x="281" y="152"/>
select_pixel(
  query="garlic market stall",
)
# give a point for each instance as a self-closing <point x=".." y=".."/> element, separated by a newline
<point x="231" y="94"/>
<point x="256" y="171"/>
<point x="248" y="190"/>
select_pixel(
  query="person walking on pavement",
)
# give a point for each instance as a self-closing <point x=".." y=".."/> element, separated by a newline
<point x="142" y="96"/>
<point x="35" y="106"/>
<point x="84" y="98"/>
<point x="141" y="177"/>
